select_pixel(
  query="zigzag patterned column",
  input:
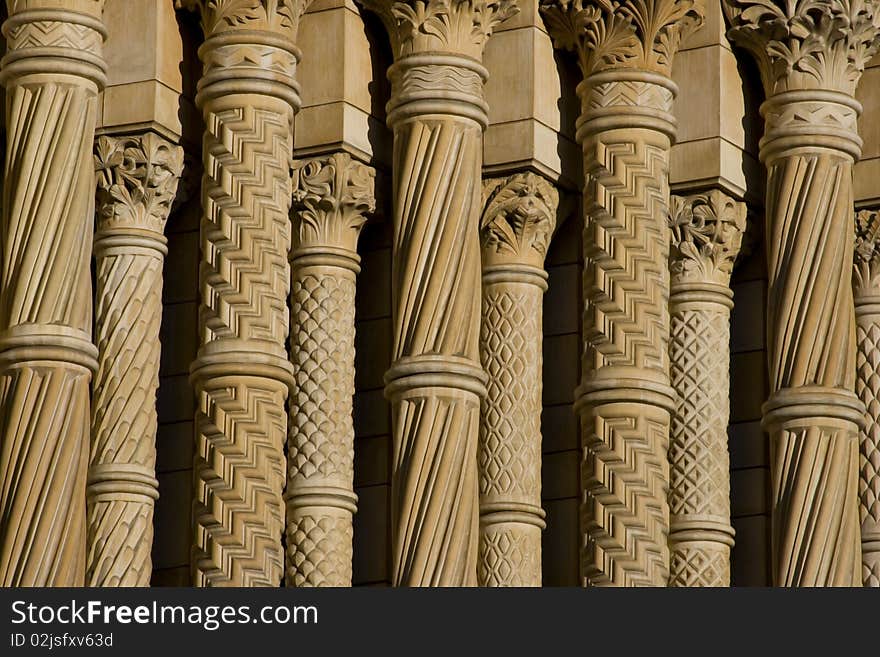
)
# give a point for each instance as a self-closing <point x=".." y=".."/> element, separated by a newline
<point x="52" y="71"/>
<point x="137" y="180"/>
<point x="519" y="216"/>
<point x="331" y="196"/>
<point x="866" y="292"/>
<point x="810" y="143"/>
<point x="436" y="383"/>
<point x="242" y="374"/>
<point x="626" y="129"/>
<point x="707" y="231"/>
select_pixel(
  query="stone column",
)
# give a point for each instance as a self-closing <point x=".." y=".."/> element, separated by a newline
<point x="248" y="97"/>
<point x="519" y="215"/>
<point x="53" y="70"/>
<point x="137" y="181"/>
<point x="331" y="198"/>
<point x="866" y="290"/>
<point x="811" y="56"/>
<point x="436" y="383"/>
<point x="626" y="129"/>
<point x="707" y="232"/>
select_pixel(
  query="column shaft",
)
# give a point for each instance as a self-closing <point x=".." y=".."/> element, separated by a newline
<point x="137" y="182"/>
<point x="52" y="71"/>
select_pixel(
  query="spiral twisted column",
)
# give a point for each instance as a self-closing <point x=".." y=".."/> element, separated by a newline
<point x="707" y="231"/>
<point x="809" y="146"/>
<point x="242" y="374"/>
<point x="435" y="384"/>
<point x="137" y="181"/>
<point x="52" y="71"/>
<point x="519" y="216"/>
<point x="332" y="196"/>
<point x="626" y="130"/>
<point x="866" y="292"/>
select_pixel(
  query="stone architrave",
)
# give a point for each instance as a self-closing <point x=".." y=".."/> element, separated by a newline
<point x="436" y="383"/>
<point x="137" y="181"/>
<point x="866" y="292"/>
<point x="53" y="71"/>
<point x="331" y="197"/>
<point x="707" y="232"/>
<point x="519" y="216"/>
<point x="626" y="128"/>
<point x="811" y="56"/>
<point x="242" y="375"/>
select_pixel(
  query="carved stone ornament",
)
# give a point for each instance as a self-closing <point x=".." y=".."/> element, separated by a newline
<point x="277" y="16"/>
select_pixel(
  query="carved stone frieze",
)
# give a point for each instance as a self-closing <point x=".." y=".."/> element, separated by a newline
<point x="519" y="215"/>
<point x="136" y="183"/>
<point x="331" y="197"/>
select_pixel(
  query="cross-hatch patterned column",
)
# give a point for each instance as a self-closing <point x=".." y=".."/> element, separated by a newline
<point x="811" y="56"/>
<point x="438" y="116"/>
<point x="625" y="49"/>
<point x="332" y="196"/>
<point x="242" y="375"/>
<point x="519" y="216"/>
<point x="137" y="181"/>
<point x="707" y="231"/>
<point x="866" y="290"/>
<point x="53" y="70"/>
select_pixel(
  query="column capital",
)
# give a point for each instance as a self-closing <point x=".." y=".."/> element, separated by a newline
<point x="331" y="197"/>
<point x="518" y="219"/>
<point x="137" y="180"/>
<point x="866" y="258"/>
<point x="804" y="45"/>
<point x="622" y="34"/>
<point x="280" y="17"/>
<point x="459" y="27"/>
<point x="707" y="232"/>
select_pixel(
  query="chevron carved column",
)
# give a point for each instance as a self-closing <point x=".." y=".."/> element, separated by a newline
<point x="707" y="232"/>
<point x="626" y="129"/>
<point x="332" y="196"/>
<point x="52" y="71"/>
<point x="811" y="56"/>
<point x="435" y="384"/>
<point x="866" y="291"/>
<point x="242" y="375"/>
<point x="519" y="215"/>
<point x="137" y="181"/>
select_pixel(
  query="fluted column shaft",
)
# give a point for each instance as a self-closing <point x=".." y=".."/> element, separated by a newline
<point x="436" y="383"/>
<point x="866" y="292"/>
<point x="707" y="232"/>
<point x="137" y="181"/>
<point x="626" y="129"/>
<point x="519" y="215"/>
<point x="52" y="71"/>
<point x="242" y="375"/>
<point x="809" y="146"/>
<point x="331" y="197"/>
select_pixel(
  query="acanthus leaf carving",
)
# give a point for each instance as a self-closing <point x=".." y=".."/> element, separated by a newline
<point x="457" y="26"/>
<point x="332" y="197"/>
<point x="707" y="232"/>
<point x="807" y="44"/>
<point x="279" y="16"/>
<point x="519" y="217"/>
<point x="866" y="260"/>
<point x="136" y="180"/>
<point x="638" y="34"/>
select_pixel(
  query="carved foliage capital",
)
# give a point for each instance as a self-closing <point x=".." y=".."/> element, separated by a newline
<point x="450" y="26"/>
<point x="866" y="260"/>
<point x="331" y="197"/>
<point x="136" y="181"/>
<point x="607" y="34"/>
<point x="806" y="44"/>
<point x="519" y="216"/>
<point x="707" y="232"/>
<point x="278" y="16"/>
